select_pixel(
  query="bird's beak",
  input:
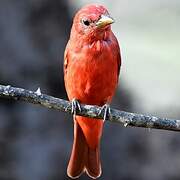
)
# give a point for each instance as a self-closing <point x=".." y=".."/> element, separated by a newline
<point x="104" y="21"/>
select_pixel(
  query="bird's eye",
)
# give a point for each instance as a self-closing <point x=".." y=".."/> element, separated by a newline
<point x="86" y="22"/>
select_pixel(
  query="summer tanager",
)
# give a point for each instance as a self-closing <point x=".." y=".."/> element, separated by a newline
<point x="91" y="69"/>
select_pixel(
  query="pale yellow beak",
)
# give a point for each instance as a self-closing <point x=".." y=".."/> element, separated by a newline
<point x="104" y="21"/>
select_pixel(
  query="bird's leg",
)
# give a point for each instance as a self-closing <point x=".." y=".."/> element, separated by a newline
<point x="75" y="105"/>
<point x="107" y="111"/>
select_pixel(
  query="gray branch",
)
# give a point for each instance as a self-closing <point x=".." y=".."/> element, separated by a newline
<point x="122" y="117"/>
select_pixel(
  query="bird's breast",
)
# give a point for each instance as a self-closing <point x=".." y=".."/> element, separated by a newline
<point x="92" y="74"/>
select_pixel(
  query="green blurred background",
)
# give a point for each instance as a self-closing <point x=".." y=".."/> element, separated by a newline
<point x="35" y="142"/>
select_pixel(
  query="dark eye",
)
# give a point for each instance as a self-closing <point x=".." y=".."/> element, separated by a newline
<point x="86" y="22"/>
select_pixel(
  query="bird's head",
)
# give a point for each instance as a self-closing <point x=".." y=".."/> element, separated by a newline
<point x="92" y="21"/>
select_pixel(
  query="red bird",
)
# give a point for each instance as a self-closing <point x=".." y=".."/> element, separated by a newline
<point x="91" y="69"/>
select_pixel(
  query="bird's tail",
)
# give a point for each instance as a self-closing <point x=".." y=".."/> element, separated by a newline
<point x="83" y="158"/>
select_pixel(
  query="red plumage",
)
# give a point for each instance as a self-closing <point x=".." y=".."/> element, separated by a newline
<point x="91" y="69"/>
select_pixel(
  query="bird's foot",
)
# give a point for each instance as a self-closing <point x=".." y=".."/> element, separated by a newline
<point x="75" y="105"/>
<point x="107" y="111"/>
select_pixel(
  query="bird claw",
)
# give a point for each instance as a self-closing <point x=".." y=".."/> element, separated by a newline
<point x="107" y="111"/>
<point x="75" y="105"/>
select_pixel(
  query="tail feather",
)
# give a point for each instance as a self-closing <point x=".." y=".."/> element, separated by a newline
<point x="93" y="164"/>
<point x="79" y="151"/>
<point x="82" y="157"/>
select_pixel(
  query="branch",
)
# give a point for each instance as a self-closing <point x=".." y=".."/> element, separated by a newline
<point x="122" y="117"/>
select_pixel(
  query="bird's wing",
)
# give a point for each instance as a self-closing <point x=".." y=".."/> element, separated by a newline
<point x="116" y="51"/>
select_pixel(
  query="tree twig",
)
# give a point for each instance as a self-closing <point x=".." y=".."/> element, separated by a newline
<point x="122" y="117"/>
